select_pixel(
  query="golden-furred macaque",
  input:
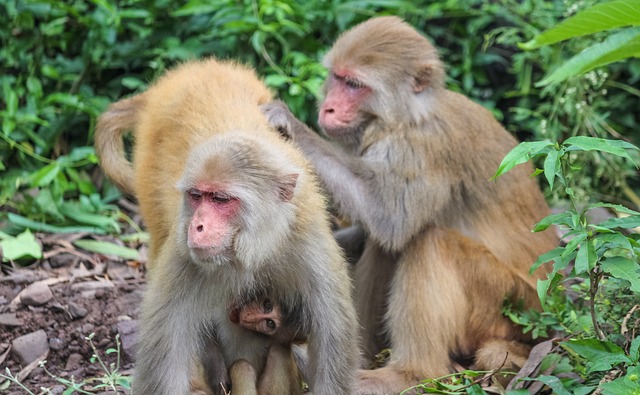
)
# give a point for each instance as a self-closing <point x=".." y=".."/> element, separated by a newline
<point x="232" y="208"/>
<point x="409" y="163"/>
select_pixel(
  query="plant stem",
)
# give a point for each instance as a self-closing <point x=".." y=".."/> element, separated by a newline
<point x="595" y="275"/>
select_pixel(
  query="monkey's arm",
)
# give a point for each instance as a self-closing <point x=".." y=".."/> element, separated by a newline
<point x="169" y="338"/>
<point x="390" y="190"/>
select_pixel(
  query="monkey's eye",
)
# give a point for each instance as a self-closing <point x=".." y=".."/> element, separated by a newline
<point x="194" y="195"/>
<point x="268" y="306"/>
<point x="271" y="324"/>
<point x="220" y="198"/>
<point x="353" y="83"/>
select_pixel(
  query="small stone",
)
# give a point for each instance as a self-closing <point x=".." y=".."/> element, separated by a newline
<point x="87" y="328"/>
<point x="76" y="311"/>
<point x="56" y="344"/>
<point x="10" y="319"/>
<point x="36" y="294"/>
<point x="73" y="362"/>
<point x="128" y="337"/>
<point x="31" y="346"/>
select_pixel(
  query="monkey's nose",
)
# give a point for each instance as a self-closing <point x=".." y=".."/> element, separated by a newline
<point x="200" y="228"/>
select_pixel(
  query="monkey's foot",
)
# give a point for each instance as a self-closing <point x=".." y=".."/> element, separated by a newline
<point x="384" y="381"/>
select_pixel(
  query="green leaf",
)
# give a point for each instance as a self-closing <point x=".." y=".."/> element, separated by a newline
<point x="586" y="143"/>
<point x="107" y="248"/>
<point x="599" y="355"/>
<point x="552" y="166"/>
<point x="521" y="154"/>
<point x="615" y="240"/>
<point x="42" y="227"/>
<point x="22" y="246"/>
<point x="630" y="222"/>
<point x="552" y="255"/>
<point x="619" y="46"/>
<point x="634" y="350"/>
<point x="45" y="175"/>
<point x="75" y="212"/>
<point x="554" y="383"/>
<point x="562" y="218"/>
<point x="623" y="268"/>
<point x="617" y="207"/>
<point x="599" y="17"/>
<point x="586" y="258"/>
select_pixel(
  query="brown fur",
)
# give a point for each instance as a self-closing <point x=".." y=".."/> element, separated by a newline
<point x="200" y="124"/>
<point x="443" y="245"/>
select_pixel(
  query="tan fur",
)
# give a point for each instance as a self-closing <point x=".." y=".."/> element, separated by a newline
<point x="201" y="123"/>
<point x="444" y="246"/>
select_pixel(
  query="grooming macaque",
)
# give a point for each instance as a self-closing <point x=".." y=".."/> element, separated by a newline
<point x="232" y="208"/>
<point x="409" y="163"/>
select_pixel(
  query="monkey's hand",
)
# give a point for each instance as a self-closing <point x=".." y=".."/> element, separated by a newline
<point x="279" y="117"/>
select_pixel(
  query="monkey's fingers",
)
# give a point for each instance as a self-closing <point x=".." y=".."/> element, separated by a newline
<point x="279" y="117"/>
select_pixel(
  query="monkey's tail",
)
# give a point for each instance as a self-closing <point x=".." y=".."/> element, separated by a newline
<point x="112" y="125"/>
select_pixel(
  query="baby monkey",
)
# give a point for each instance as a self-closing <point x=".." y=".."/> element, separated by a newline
<point x="264" y="315"/>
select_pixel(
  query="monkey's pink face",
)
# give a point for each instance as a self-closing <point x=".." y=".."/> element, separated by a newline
<point x="340" y="110"/>
<point x="212" y="227"/>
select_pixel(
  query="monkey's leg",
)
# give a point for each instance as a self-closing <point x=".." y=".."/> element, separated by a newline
<point x="446" y="298"/>
<point x="243" y="378"/>
<point x="372" y="277"/>
<point x="280" y="375"/>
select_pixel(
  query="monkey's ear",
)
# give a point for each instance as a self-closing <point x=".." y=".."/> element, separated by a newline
<point x="422" y="79"/>
<point x="286" y="186"/>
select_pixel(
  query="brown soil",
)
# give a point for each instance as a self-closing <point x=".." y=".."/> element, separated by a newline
<point x="106" y="289"/>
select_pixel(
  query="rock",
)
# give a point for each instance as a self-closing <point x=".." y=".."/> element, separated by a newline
<point x="56" y="344"/>
<point x="128" y="331"/>
<point x="10" y="319"/>
<point x="36" y="294"/>
<point x="30" y="346"/>
<point x="92" y="285"/>
<point x="76" y="311"/>
<point x="73" y="362"/>
<point x="87" y="328"/>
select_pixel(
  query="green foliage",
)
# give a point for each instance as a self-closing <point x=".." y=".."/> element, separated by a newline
<point x="600" y="17"/>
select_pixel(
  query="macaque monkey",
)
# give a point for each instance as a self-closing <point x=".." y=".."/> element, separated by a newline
<point x="264" y="315"/>
<point x="409" y="163"/>
<point x="231" y="208"/>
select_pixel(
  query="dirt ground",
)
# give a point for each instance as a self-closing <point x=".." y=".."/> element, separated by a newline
<point x="90" y="294"/>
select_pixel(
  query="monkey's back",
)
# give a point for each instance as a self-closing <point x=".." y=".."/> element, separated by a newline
<point x="185" y="107"/>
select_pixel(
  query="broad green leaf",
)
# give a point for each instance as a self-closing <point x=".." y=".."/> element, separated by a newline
<point x="599" y="355"/>
<point x="619" y="46"/>
<point x="599" y="17"/>
<point x="547" y="257"/>
<point x="617" y="207"/>
<point x="107" y="248"/>
<point x="630" y="222"/>
<point x="75" y="212"/>
<point x="621" y="386"/>
<point x="560" y="218"/>
<point x="42" y="227"/>
<point x="543" y="287"/>
<point x="623" y="268"/>
<point x="573" y="244"/>
<point x="554" y="383"/>
<point x="615" y="240"/>
<point x="22" y="246"/>
<point x="521" y="154"/>
<point x="586" y="143"/>
<point x="45" y="175"/>
<point x="586" y="258"/>
<point x="634" y="350"/>
<point x="552" y="166"/>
